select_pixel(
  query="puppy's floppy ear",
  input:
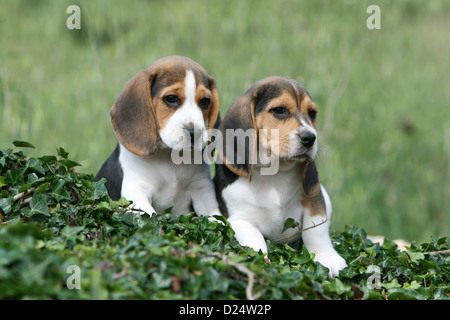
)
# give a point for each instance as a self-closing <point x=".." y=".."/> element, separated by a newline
<point x="133" y="115"/>
<point x="213" y="116"/>
<point x="313" y="197"/>
<point x="310" y="179"/>
<point x="239" y="134"/>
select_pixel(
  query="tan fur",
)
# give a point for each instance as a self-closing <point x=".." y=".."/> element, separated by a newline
<point x="133" y="117"/>
<point x="265" y="120"/>
<point x="242" y="111"/>
<point x="306" y="105"/>
<point x="297" y="101"/>
<point x="313" y="199"/>
<point x="137" y="116"/>
<point x="162" y="111"/>
<point x="315" y="205"/>
<point x="211" y="114"/>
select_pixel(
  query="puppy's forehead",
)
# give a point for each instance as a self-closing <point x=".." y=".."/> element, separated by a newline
<point x="172" y="70"/>
<point x="272" y="87"/>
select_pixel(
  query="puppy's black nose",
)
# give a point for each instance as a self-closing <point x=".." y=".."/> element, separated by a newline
<point x="192" y="134"/>
<point x="308" y="139"/>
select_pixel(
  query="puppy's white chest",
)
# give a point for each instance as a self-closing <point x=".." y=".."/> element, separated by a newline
<point x="267" y="201"/>
<point x="165" y="184"/>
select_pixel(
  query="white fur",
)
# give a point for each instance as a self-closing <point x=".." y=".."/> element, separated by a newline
<point x="155" y="183"/>
<point x="295" y="144"/>
<point x="174" y="134"/>
<point x="259" y="209"/>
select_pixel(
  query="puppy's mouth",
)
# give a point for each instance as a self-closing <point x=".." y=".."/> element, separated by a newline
<point x="190" y="141"/>
<point x="303" y="154"/>
<point x="181" y="145"/>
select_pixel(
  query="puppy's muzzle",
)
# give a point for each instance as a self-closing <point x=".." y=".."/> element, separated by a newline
<point x="307" y="138"/>
<point x="195" y="134"/>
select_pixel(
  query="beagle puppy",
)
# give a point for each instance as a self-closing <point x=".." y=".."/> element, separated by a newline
<point x="163" y="110"/>
<point x="278" y="118"/>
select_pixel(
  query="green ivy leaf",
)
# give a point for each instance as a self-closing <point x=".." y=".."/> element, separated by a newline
<point x="62" y="152"/>
<point x="70" y="164"/>
<point x="393" y="284"/>
<point x="6" y="204"/>
<point x="14" y="177"/>
<point x="38" y="205"/>
<point x="23" y="144"/>
<point x="416" y="256"/>
<point x="43" y="187"/>
<point x="70" y="233"/>
<point x="413" y="285"/>
<point x="58" y="190"/>
<point x="35" y="165"/>
<point x="2" y="183"/>
<point x="290" y="223"/>
<point x="99" y="190"/>
<point x="404" y="294"/>
<point x="48" y="159"/>
<point x="24" y="187"/>
<point x="337" y="286"/>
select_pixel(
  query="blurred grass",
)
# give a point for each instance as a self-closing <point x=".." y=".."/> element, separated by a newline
<point x="383" y="95"/>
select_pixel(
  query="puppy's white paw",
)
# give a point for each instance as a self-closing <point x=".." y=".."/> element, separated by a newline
<point x="142" y="208"/>
<point x="333" y="261"/>
<point x="150" y="212"/>
<point x="212" y="219"/>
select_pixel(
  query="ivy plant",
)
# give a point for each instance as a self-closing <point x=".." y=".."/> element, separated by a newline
<point x="53" y="217"/>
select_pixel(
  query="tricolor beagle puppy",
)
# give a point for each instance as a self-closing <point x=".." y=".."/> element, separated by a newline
<point x="166" y="107"/>
<point x="281" y="118"/>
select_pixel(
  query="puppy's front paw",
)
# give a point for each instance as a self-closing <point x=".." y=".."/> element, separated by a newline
<point x="333" y="261"/>
<point x="213" y="219"/>
<point x="148" y="210"/>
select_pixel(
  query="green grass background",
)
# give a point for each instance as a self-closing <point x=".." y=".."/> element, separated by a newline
<point x="384" y="118"/>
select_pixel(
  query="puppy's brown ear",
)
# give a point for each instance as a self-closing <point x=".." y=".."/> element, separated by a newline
<point x="213" y="116"/>
<point x="133" y="115"/>
<point x="310" y="179"/>
<point x="239" y="135"/>
<point x="313" y="198"/>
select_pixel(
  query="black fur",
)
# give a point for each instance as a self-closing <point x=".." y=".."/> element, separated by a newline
<point x="222" y="179"/>
<point x="264" y="95"/>
<point x="111" y="170"/>
<point x="310" y="178"/>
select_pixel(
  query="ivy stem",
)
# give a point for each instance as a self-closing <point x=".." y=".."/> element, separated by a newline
<point x="23" y="195"/>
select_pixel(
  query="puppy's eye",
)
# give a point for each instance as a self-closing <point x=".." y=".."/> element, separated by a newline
<point x="172" y="101"/>
<point x="280" y="112"/>
<point x="312" y="114"/>
<point x="204" y="103"/>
